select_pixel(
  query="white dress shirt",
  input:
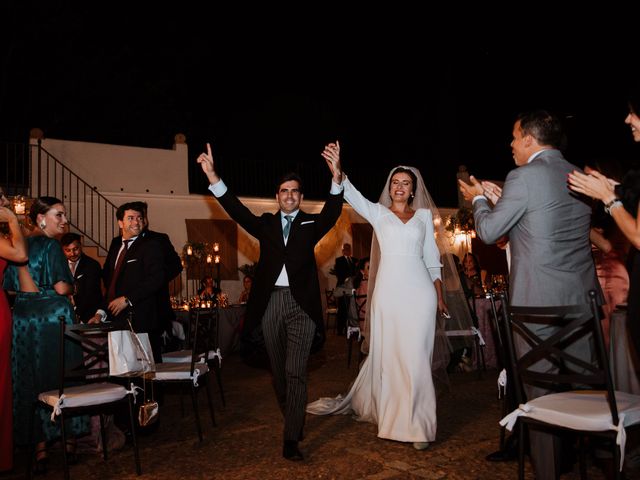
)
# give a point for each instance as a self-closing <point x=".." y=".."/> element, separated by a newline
<point x="218" y="189"/>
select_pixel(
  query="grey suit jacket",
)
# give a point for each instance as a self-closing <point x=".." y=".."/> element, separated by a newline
<point x="548" y="228"/>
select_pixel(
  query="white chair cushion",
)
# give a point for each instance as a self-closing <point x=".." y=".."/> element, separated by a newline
<point x="184" y="356"/>
<point x="179" y="371"/>
<point x="84" y="395"/>
<point x="580" y="410"/>
<point x="179" y="356"/>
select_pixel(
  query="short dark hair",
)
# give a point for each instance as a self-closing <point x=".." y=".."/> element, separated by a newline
<point x="414" y="180"/>
<point x="42" y="205"/>
<point x="634" y="102"/>
<point x="287" y="177"/>
<point x="139" y="207"/>
<point x="544" y="126"/>
<point x="69" y="238"/>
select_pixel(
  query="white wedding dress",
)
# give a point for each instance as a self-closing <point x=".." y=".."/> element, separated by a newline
<point x="394" y="387"/>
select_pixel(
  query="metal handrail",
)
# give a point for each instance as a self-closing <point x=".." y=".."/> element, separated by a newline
<point x="88" y="211"/>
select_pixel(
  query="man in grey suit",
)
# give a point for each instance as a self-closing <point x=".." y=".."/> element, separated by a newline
<point x="548" y="228"/>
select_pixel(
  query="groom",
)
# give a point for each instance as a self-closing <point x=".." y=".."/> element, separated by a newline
<point x="285" y="296"/>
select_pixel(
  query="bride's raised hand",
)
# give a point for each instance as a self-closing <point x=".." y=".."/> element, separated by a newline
<point x="331" y="154"/>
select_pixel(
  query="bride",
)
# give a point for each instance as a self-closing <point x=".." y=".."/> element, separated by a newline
<point x="394" y="388"/>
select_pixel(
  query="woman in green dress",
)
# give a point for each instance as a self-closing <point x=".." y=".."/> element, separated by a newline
<point x="42" y="285"/>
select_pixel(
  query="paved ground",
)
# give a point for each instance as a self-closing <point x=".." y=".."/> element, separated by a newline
<point x="246" y="443"/>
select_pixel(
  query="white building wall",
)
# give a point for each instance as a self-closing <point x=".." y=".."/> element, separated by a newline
<point x="160" y="178"/>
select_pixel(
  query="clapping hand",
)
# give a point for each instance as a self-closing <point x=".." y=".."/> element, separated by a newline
<point x="492" y="191"/>
<point x="593" y="184"/>
<point x="331" y="154"/>
<point x="470" y="191"/>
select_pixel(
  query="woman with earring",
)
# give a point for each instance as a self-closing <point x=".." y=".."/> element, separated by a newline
<point x="12" y="249"/>
<point x="42" y="286"/>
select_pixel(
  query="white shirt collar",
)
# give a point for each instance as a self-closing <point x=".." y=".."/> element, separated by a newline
<point x="535" y="155"/>
<point x="292" y="214"/>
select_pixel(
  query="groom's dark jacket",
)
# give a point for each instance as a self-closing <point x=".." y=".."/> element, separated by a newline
<point x="298" y="257"/>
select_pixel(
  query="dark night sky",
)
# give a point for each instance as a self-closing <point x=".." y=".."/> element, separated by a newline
<point x="277" y="91"/>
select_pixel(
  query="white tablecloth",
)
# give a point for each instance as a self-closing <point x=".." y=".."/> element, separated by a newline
<point x="230" y="319"/>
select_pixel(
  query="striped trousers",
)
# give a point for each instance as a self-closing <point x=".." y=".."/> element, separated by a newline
<point x="288" y="334"/>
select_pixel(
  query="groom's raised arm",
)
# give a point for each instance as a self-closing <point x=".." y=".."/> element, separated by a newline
<point x="231" y="204"/>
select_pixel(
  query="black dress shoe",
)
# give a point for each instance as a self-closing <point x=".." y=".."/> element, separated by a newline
<point x="40" y="465"/>
<point x="505" y="455"/>
<point x="508" y="452"/>
<point x="290" y="451"/>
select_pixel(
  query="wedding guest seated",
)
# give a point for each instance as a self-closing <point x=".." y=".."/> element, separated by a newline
<point x="246" y="284"/>
<point x="472" y="274"/>
<point x="206" y="290"/>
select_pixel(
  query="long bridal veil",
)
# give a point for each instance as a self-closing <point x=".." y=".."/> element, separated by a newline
<point x="460" y="316"/>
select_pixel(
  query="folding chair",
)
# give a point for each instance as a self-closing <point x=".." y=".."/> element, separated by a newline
<point x="358" y="305"/>
<point x="474" y="333"/>
<point x="82" y="387"/>
<point x="332" y="309"/>
<point x="505" y="382"/>
<point x="585" y="402"/>
<point x="192" y="373"/>
<point x="209" y="329"/>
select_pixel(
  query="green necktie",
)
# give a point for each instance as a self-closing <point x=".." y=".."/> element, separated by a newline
<point x="287" y="227"/>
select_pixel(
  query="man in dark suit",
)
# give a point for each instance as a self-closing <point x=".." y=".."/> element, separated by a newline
<point x="285" y="296"/>
<point x="345" y="267"/>
<point x="87" y="297"/>
<point x="133" y="275"/>
<point x="172" y="268"/>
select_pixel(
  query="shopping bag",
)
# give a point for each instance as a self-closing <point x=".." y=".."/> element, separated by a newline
<point x="129" y="354"/>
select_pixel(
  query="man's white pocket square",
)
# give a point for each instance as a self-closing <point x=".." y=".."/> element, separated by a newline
<point x="308" y="221"/>
<point x="132" y="260"/>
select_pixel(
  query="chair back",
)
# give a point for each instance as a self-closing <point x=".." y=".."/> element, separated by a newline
<point x="331" y="300"/>
<point x="530" y="328"/>
<point x="361" y="304"/>
<point x="83" y="353"/>
<point x="202" y="330"/>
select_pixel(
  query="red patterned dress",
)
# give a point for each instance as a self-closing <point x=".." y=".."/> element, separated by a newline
<point x="6" y="396"/>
